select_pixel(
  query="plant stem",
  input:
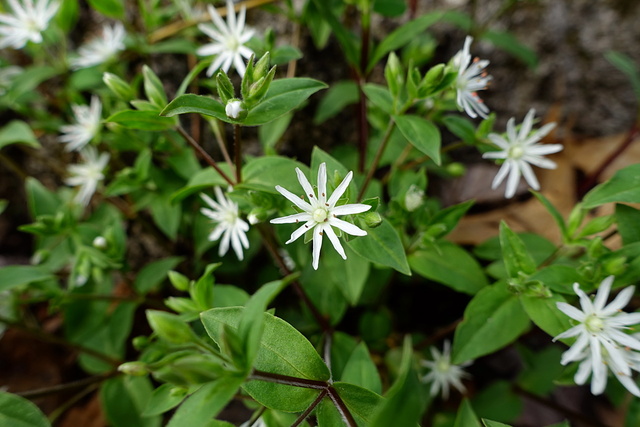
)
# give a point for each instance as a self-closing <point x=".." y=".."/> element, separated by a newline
<point x="203" y="154"/>
<point x="237" y="148"/>
<point x="591" y="180"/>
<point x="45" y="391"/>
<point x="54" y="415"/>
<point x="53" y="339"/>
<point x="376" y="160"/>
<point x="311" y="407"/>
<point x="215" y="127"/>
<point x="363" y="125"/>
<point x="342" y="408"/>
<point x="284" y="270"/>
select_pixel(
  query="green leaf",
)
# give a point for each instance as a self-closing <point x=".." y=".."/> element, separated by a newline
<point x="203" y="180"/>
<point x="401" y="36"/>
<point x="170" y="327"/>
<point x="628" y="66"/>
<point x="460" y="127"/>
<point x="422" y="134"/>
<point x="162" y="400"/>
<point x="623" y="187"/>
<point x="360" y="370"/>
<point x="348" y="42"/>
<point x="489" y="423"/>
<point x="559" y="278"/>
<point x="362" y="403"/>
<point x="283" y="350"/>
<point x="545" y="313"/>
<point x="338" y="96"/>
<point x="390" y="8"/>
<point x="450" y="265"/>
<point x="110" y="8"/>
<point x="492" y="319"/>
<point x="264" y="173"/>
<point x="20" y="275"/>
<point x="540" y="369"/>
<point x="207" y="402"/>
<point x="557" y="216"/>
<point x="154" y="273"/>
<point x="466" y="417"/>
<point x="404" y="405"/>
<point x="382" y="245"/>
<point x="327" y="414"/>
<point x="18" y="132"/>
<point x="270" y="133"/>
<point x="166" y="215"/>
<point x="510" y="44"/>
<point x="498" y="401"/>
<point x="516" y="258"/>
<point x="450" y="216"/>
<point x="153" y="88"/>
<point x="124" y="399"/>
<point x="41" y="201"/>
<point x="16" y="411"/>
<point x="283" y="96"/>
<point x="142" y="120"/>
<point x="380" y="96"/>
<point x="628" y="219"/>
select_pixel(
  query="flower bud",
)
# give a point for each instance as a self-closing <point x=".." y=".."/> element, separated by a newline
<point x="235" y="109"/>
<point x="394" y="74"/>
<point x="257" y="215"/>
<point x="140" y="343"/>
<point x="100" y="243"/>
<point x="414" y="198"/>
<point x="137" y="369"/>
<point x="179" y="281"/>
<point x="372" y="219"/>
<point x="224" y="86"/>
<point x="118" y="87"/>
<point x="455" y="169"/>
<point x="178" y="392"/>
<point x="170" y="327"/>
<point x="615" y="266"/>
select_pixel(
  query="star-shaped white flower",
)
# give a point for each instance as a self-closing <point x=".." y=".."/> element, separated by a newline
<point x="321" y="214"/>
<point x="229" y="40"/>
<point x="87" y="175"/>
<point x="229" y="225"/>
<point x="100" y="49"/>
<point x="27" y="23"/>
<point x="471" y="78"/>
<point x="519" y="150"/>
<point x="87" y="125"/>
<point x="442" y="373"/>
<point x="601" y="341"/>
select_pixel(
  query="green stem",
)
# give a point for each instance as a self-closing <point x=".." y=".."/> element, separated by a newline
<point x="194" y="144"/>
<point x="55" y="414"/>
<point x="376" y="160"/>
<point x="342" y="408"/>
<point x="45" y="391"/>
<point x="287" y="380"/>
<point x="237" y="148"/>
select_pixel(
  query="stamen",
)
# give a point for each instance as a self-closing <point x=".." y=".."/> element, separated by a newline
<point x="320" y="233"/>
<point x="323" y="195"/>
<point x="310" y="196"/>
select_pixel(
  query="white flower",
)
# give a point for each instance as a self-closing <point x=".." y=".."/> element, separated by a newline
<point x="471" y="78"/>
<point x="88" y="174"/>
<point x="519" y="150"/>
<point x="320" y="214"/>
<point x="414" y="198"/>
<point x="229" y="40"/>
<point x="27" y="22"/>
<point x="442" y="373"/>
<point x="233" y="108"/>
<point x="257" y="423"/>
<point x="100" y="49"/>
<point x="601" y="341"/>
<point x="229" y="225"/>
<point x="87" y="125"/>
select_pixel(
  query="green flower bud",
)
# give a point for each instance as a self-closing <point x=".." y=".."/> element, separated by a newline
<point x="575" y="219"/>
<point x="257" y="215"/>
<point x="394" y="74"/>
<point x="140" y="343"/>
<point x="261" y="67"/>
<point x="118" y="87"/>
<point x="137" y="369"/>
<point x="456" y="169"/>
<point x="225" y="87"/>
<point x="372" y="219"/>
<point x="615" y="266"/>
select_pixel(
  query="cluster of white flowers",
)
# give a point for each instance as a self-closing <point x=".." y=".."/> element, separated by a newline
<point x="87" y="126"/>
<point x="601" y="342"/>
<point x="27" y="22"/>
<point x="442" y="373"/>
<point x="228" y="40"/>
<point x="520" y="149"/>
<point x="100" y="49"/>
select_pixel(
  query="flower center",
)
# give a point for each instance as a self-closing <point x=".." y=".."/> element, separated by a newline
<point x="319" y="215"/>
<point x="516" y="152"/>
<point x="232" y="44"/>
<point x="230" y="217"/>
<point x="442" y="366"/>
<point x="594" y="324"/>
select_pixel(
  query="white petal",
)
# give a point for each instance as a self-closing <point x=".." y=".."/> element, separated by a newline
<point x="317" y="245"/>
<point x="603" y="294"/>
<point x="347" y="227"/>
<point x="353" y="208"/>
<point x="529" y="176"/>
<point x="300" y="231"/>
<point x="335" y="241"/>
<point x="300" y="203"/>
<point x="619" y="302"/>
<point x="571" y="311"/>
<point x="340" y="190"/>
<point x="322" y="183"/>
<point x="292" y="218"/>
<point x="306" y="185"/>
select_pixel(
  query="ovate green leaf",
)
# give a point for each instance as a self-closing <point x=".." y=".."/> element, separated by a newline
<point x="16" y="411"/>
<point x="422" y="134"/>
<point x="382" y="245"/>
<point x="624" y="186"/>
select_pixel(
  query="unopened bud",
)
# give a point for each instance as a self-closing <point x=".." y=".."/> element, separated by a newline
<point x="137" y="369"/>
<point x="100" y="242"/>
<point x="118" y="87"/>
<point x="179" y="281"/>
<point x="140" y="343"/>
<point x="372" y="219"/>
<point x="257" y="215"/>
<point x="414" y="198"/>
<point x="235" y="109"/>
